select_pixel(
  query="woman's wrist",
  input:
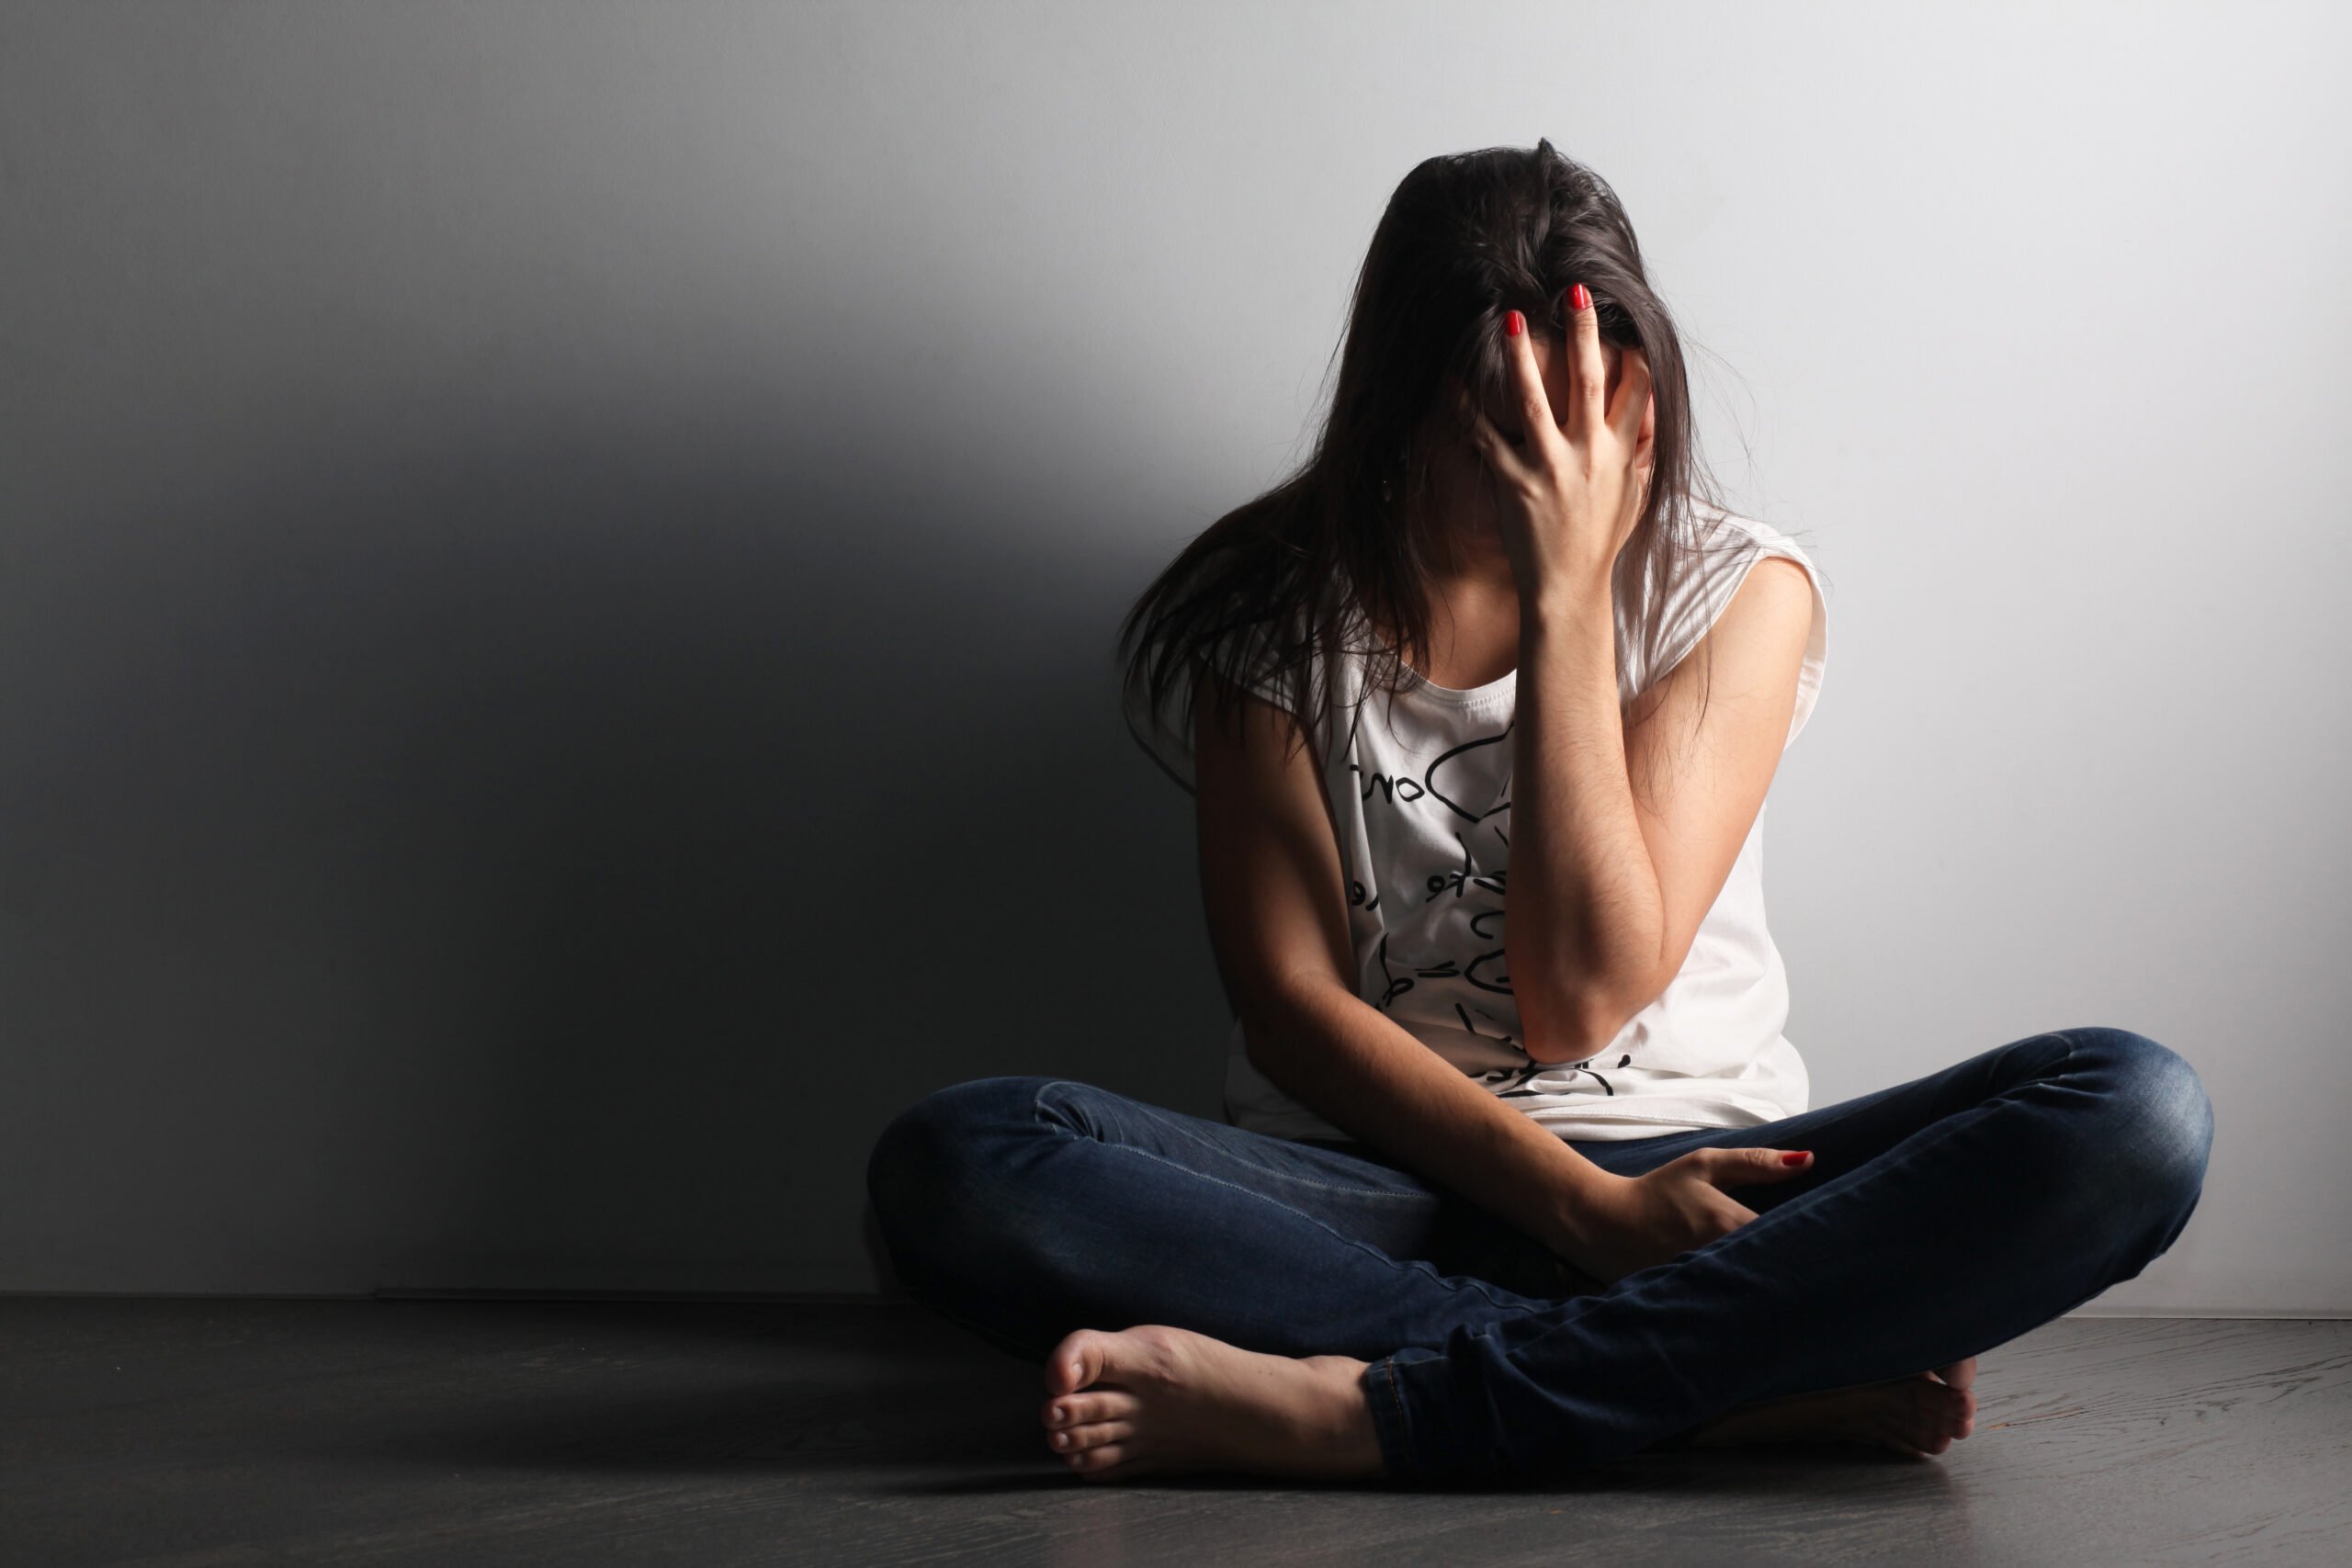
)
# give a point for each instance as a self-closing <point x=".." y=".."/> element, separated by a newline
<point x="1561" y="598"/>
<point x="1581" y="1210"/>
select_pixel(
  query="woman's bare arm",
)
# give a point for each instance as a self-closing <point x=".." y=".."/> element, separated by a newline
<point x="1623" y="831"/>
<point x="1623" y="828"/>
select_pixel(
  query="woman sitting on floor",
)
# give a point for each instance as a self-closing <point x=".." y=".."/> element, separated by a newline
<point x="1480" y="708"/>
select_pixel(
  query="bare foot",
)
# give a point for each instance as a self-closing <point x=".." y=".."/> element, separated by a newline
<point x="1918" y="1415"/>
<point x="1153" y="1398"/>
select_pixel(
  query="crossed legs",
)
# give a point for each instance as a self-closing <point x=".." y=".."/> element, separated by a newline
<point x="1304" y="1310"/>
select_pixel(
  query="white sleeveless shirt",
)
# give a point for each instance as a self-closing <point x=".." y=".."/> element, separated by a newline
<point x="1420" y="786"/>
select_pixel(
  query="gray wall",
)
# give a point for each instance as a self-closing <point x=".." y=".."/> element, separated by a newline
<point x="558" y="562"/>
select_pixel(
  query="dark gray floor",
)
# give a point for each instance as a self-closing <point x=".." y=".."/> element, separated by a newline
<point x="221" y="1432"/>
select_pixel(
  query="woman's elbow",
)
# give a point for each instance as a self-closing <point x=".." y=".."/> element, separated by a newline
<point x="1581" y="1022"/>
<point x="1279" y="1021"/>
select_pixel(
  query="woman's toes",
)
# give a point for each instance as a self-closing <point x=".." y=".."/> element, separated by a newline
<point x="1960" y="1375"/>
<point x="1098" y="1460"/>
<point x="1093" y="1404"/>
<point x="1949" y="1417"/>
<point x="1952" y="1414"/>
<point x="1076" y="1361"/>
<point x="1078" y="1440"/>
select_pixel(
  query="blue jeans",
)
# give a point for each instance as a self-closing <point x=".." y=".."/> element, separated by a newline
<point x="1940" y="1218"/>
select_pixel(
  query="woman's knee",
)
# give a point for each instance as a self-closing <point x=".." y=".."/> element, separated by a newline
<point x="928" y="1154"/>
<point x="2159" y="1129"/>
<point x="954" y="1182"/>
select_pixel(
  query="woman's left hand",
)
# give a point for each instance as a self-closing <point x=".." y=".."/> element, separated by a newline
<point x="1572" y="488"/>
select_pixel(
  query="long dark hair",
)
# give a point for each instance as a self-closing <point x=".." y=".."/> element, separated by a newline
<point x="1334" y="560"/>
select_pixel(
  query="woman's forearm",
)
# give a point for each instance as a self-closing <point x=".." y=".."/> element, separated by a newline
<point x="1358" y="1070"/>
<point x="1586" y="914"/>
<point x="1586" y="934"/>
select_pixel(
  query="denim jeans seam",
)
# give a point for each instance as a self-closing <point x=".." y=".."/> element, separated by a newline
<point x="1037" y="1111"/>
<point x="1353" y="1192"/>
<point x="1319" y="1186"/>
<point x="1459" y="1284"/>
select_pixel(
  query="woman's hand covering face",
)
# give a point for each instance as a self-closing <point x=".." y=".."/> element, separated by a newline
<point x="1570" y="490"/>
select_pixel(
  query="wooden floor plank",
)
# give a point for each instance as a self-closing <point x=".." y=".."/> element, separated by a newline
<point x="231" y="1433"/>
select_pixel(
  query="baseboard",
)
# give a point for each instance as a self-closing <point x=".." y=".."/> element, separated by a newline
<point x="738" y="1298"/>
<point x="469" y="1293"/>
<point x="2252" y="1314"/>
<point x="186" y="1295"/>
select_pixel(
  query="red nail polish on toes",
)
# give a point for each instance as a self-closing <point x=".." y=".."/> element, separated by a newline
<point x="1580" y="297"/>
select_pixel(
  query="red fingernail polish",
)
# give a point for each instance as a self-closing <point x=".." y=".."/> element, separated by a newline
<point x="1796" y="1157"/>
<point x="1514" y="324"/>
<point x="1580" y="297"/>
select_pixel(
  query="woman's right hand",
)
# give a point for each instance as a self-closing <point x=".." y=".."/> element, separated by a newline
<point x="1625" y="1224"/>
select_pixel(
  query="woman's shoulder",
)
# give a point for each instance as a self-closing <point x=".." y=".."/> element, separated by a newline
<point x="1724" y="541"/>
<point x="1717" y="549"/>
<point x="1328" y="674"/>
<point x="1723" y="547"/>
